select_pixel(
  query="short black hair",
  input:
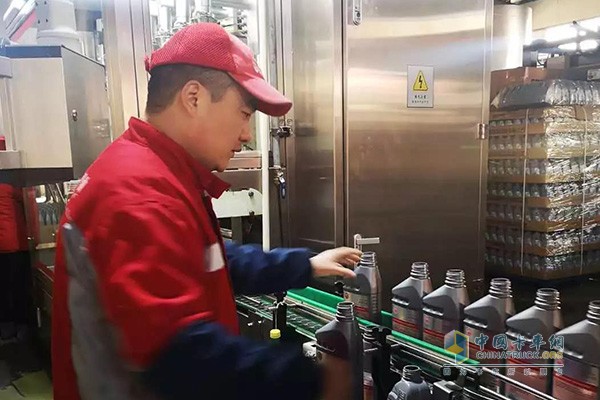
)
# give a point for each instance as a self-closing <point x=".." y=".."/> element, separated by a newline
<point x="167" y="80"/>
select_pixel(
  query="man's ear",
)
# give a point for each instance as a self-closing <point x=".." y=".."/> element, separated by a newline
<point x="193" y="95"/>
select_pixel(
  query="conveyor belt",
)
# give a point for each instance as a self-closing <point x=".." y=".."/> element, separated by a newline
<point x="310" y="309"/>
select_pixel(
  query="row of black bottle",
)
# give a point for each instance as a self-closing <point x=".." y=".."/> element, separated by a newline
<point x="420" y="312"/>
<point x="423" y="313"/>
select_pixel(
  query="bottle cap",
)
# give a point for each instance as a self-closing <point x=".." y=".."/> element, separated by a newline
<point x="275" y="334"/>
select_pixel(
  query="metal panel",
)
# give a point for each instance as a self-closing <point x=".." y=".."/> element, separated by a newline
<point x="512" y="29"/>
<point x="315" y="150"/>
<point x="10" y="159"/>
<point x="123" y="69"/>
<point x="415" y="175"/>
<point x="6" y="113"/>
<point x="41" y="128"/>
<point x="87" y="108"/>
<point x="241" y="178"/>
<point x="47" y="144"/>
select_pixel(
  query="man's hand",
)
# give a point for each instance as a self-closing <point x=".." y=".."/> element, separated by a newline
<point x="331" y="262"/>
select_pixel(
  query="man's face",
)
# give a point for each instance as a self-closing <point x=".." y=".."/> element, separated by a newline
<point x="218" y="129"/>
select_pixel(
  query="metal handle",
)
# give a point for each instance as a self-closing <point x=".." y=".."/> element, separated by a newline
<point x="483" y="131"/>
<point x="356" y="12"/>
<point x="360" y="241"/>
<point x="281" y="183"/>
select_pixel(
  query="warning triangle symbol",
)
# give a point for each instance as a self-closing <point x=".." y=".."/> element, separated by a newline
<point x="420" y="84"/>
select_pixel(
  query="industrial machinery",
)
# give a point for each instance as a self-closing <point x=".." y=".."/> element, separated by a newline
<point x="310" y="309"/>
<point x="52" y="141"/>
<point x="387" y="137"/>
<point x="55" y="121"/>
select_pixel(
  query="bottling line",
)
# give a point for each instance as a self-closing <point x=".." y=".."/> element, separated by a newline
<point x="391" y="147"/>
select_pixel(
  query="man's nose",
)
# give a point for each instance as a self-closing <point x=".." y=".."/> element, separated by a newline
<point x="246" y="135"/>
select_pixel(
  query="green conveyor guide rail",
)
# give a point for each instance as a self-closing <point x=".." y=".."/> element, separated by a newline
<point x="310" y="309"/>
<point x="326" y="302"/>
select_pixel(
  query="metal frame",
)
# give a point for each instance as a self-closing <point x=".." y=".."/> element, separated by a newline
<point x="333" y="132"/>
<point x="485" y="118"/>
<point x="273" y="21"/>
<point x="340" y="213"/>
<point x="127" y="41"/>
<point x="8" y="159"/>
<point x="286" y="85"/>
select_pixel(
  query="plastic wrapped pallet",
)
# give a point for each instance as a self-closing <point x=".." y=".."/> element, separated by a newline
<point x="543" y="209"/>
<point x="557" y="92"/>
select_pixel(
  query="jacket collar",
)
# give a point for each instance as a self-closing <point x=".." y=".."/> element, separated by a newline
<point x="176" y="156"/>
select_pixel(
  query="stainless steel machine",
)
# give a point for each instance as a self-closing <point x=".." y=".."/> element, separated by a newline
<point x="368" y="154"/>
<point x="55" y="119"/>
<point x="55" y="114"/>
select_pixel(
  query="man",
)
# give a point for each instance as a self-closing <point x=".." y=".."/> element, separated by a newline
<point x="143" y="297"/>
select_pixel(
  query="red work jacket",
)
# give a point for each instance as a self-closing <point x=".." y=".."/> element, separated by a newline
<point x="144" y="210"/>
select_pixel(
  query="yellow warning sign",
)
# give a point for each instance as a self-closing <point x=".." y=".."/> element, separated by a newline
<point x="420" y="84"/>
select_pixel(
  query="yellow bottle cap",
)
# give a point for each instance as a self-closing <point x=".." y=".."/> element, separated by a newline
<point x="275" y="334"/>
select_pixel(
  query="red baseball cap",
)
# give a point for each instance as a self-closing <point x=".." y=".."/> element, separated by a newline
<point x="209" y="45"/>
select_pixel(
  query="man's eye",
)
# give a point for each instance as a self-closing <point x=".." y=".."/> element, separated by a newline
<point x="247" y="115"/>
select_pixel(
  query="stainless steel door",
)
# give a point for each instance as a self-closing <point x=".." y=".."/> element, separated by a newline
<point x="312" y="45"/>
<point x="415" y="176"/>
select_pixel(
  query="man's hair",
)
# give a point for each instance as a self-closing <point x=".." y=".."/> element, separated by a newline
<point x="167" y="80"/>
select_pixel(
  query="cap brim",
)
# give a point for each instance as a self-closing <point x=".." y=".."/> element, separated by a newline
<point x="268" y="99"/>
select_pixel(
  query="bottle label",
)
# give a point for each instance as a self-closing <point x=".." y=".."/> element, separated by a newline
<point x="365" y="305"/>
<point x="491" y="382"/>
<point x="406" y="321"/>
<point x="401" y="394"/>
<point x="534" y="377"/>
<point x="367" y="386"/>
<point x="434" y="329"/>
<point x="578" y="381"/>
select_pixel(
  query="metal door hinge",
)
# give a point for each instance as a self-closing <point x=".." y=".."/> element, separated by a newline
<point x="356" y="12"/>
<point x="483" y="131"/>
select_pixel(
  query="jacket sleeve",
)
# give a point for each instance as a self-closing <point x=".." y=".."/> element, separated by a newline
<point x="254" y="271"/>
<point x="147" y="260"/>
<point x="204" y="362"/>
